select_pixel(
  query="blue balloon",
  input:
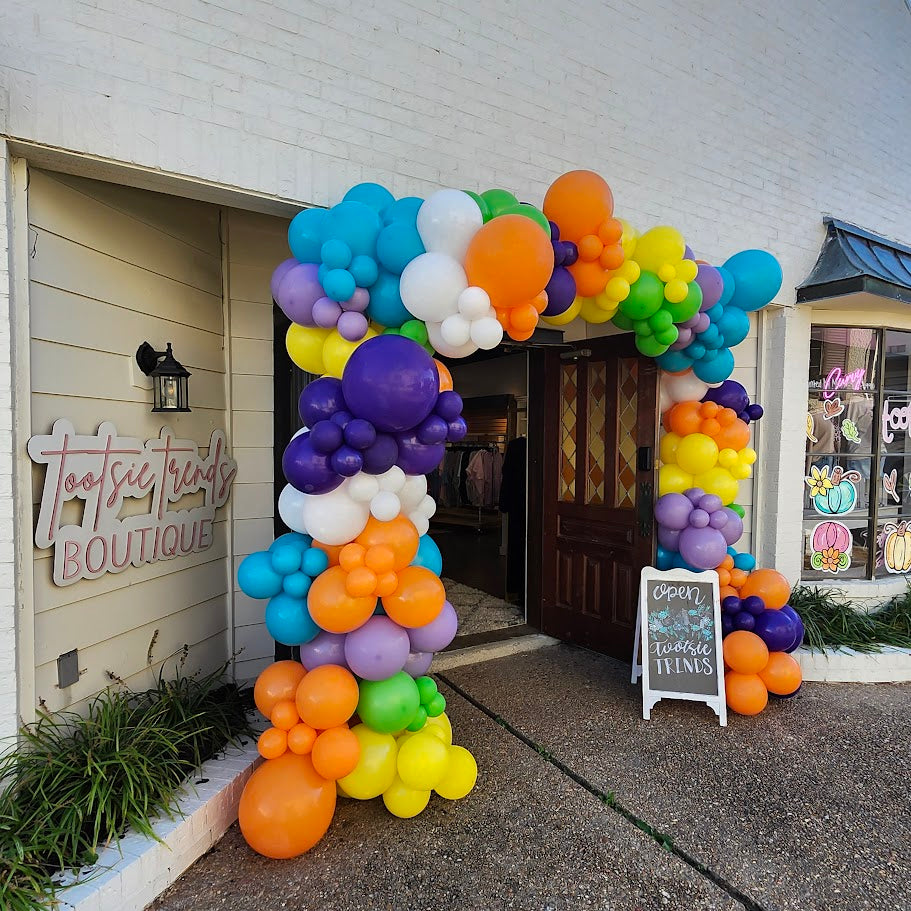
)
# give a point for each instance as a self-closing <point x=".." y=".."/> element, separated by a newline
<point x="757" y="278"/>
<point x="718" y="369"/>
<point x="744" y="561"/>
<point x="315" y="561"/>
<point x="339" y="284"/>
<point x="428" y="555"/>
<point x="371" y="194"/>
<point x="715" y="313"/>
<point x="711" y="337"/>
<point x="288" y="620"/>
<point x="677" y="562"/>
<point x="297" y="585"/>
<point x="734" y="326"/>
<point x="727" y="291"/>
<point x="397" y="245"/>
<point x="674" y="361"/>
<point x="663" y="558"/>
<point x="386" y="307"/>
<point x="357" y="225"/>
<point x="306" y="234"/>
<point x="257" y="578"/>
<point x="335" y="254"/>
<point x="286" y="559"/>
<point x="404" y="209"/>
<point x="364" y="271"/>
<point x="697" y="351"/>
<point x="301" y="542"/>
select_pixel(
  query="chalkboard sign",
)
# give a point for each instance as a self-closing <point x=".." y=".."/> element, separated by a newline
<point x="678" y="634"/>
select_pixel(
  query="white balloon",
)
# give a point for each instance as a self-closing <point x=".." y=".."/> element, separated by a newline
<point x="436" y="339"/>
<point x="363" y="487"/>
<point x="421" y="523"/>
<point x="427" y="507"/>
<point x="290" y="508"/>
<point x="430" y="286"/>
<point x="385" y="506"/>
<point x="486" y="332"/>
<point x="301" y="432"/>
<point x="683" y="387"/>
<point x="447" y="221"/>
<point x="393" y="479"/>
<point x="455" y="330"/>
<point x="413" y="491"/>
<point x="334" y="518"/>
<point x="474" y="302"/>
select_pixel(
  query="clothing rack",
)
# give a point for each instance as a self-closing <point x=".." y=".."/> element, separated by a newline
<point x="473" y="442"/>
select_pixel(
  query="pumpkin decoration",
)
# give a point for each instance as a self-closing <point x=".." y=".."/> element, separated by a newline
<point x="835" y="495"/>
<point x="832" y="547"/>
<point x="897" y="547"/>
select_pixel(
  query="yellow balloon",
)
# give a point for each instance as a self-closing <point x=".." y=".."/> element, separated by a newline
<point x="739" y="471"/>
<point x="667" y="448"/>
<point x="747" y="455"/>
<point x="667" y="273"/>
<point x="718" y="481"/>
<point x="403" y="801"/>
<point x="616" y="290"/>
<point x="337" y="350"/>
<point x="305" y="347"/>
<point x="461" y="775"/>
<point x="676" y="290"/>
<point x="630" y="270"/>
<point x="687" y="270"/>
<point x="727" y="458"/>
<point x="567" y="316"/>
<point x="422" y="761"/>
<point x="592" y="313"/>
<point x="658" y="246"/>
<point x="441" y="727"/>
<point x="673" y="479"/>
<point x="697" y="453"/>
<point x="628" y="239"/>
<point x="375" y="770"/>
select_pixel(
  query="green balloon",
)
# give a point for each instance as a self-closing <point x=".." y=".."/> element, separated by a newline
<point x="420" y="719"/>
<point x="738" y="509"/>
<point x="688" y="307"/>
<point x="531" y="212"/>
<point x="641" y="327"/>
<point x="388" y="705"/>
<point x="497" y="201"/>
<point x="415" y="330"/>
<point x="646" y="295"/>
<point x="622" y="321"/>
<point x="482" y="205"/>
<point x="427" y="689"/>
<point x="668" y="336"/>
<point x="661" y="321"/>
<point x="650" y="346"/>
<point x="391" y="330"/>
<point x="436" y="706"/>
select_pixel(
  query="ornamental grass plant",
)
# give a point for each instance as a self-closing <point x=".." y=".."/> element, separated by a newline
<point x="77" y="783"/>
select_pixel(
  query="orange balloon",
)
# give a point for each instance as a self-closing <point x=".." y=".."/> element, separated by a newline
<point x="351" y="556"/>
<point x="591" y="277"/>
<point x="399" y="535"/>
<point x="746" y="694"/>
<point x="511" y="258"/>
<point x="418" y="599"/>
<point x="336" y="753"/>
<point x="332" y="608"/>
<point x="445" y="376"/>
<point x="523" y="317"/>
<point x="724" y="577"/>
<point x="726" y="590"/>
<point x="272" y="743"/>
<point x="284" y="715"/>
<point x="361" y="582"/>
<point x="331" y="550"/>
<point x="768" y="584"/>
<point x="301" y="739"/>
<point x="286" y="807"/>
<point x="745" y="652"/>
<point x="735" y="435"/>
<point x="579" y="202"/>
<point x="738" y="577"/>
<point x="327" y="696"/>
<point x="782" y="675"/>
<point x="684" y="418"/>
<point x="278" y="681"/>
<point x="386" y="585"/>
<point x="381" y="559"/>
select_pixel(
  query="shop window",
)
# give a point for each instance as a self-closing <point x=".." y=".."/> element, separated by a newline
<point x="857" y="484"/>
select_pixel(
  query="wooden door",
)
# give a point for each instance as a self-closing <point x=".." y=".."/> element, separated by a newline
<point x="596" y="480"/>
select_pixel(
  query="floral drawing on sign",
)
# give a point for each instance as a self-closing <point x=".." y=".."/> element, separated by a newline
<point x="896" y="548"/>
<point x="832" y="408"/>
<point x="832" y="544"/>
<point x="849" y="431"/>
<point x="694" y="621"/>
<point x="835" y="494"/>
<point x="810" y="435"/>
<point x="890" y="485"/>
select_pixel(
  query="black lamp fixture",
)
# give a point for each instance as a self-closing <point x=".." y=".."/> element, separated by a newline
<point x="169" y="378"/>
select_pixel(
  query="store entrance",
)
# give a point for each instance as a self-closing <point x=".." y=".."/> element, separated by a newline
<point x="591" y="491"/>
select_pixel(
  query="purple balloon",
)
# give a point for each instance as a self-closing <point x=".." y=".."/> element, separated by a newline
<point x="448" y="405"/>
<point x="570" y="252"/>
<point x="308" y="470"/>
<point x="789" y="611"/>
<point x="755" y="412"/>
<point x="437" y="634"/>
<point x="281" y="270"/>
<point x="727" y="625"/>
<point x="326" y="648"/>
<point x="299" y="290"/>
<point x="415" y="457"/>
<point x="418" y="663"/>
<point x="718" y="519"/>
<point x="360" y="434"/>
<point x="702" y="322"/>
<point x="352" y="326"/>
<point x="673" y="511"/>
<point x="688" y="252"/>
<point x="342" y="418"/>
<point x="668" y="538"/>
<point x="392" y="382"/>
<point x="733" y="528"/>
<point x="703" y="548"/>
<point x="456" y="430"/>
<point x="358" y="301"/>
<point x="684" y="337"/>
<point x="776" y="629"/>
<point x="709" y="279"/>
<point x="380" y="456"/>
<point x="710" y="503"/>
<point x="699" y="518"/>
<point x="730" y="394"/>
<point x="561" y="292"/>
<point x="745" y="621"/>
<point x="320" y="400"/>
<point x="326" y="437"/>
<point x="346" y="461"/>
<point x="731" y="604"/>
<point x="753" y="604"/>
<point x="433" y="429"/>
<point x="694" y="495"/>
<point x="326" y="313"/>
<point x="377" y="650"/>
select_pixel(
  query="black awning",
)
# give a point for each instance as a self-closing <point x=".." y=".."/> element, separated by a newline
<point x="852" y="260"/>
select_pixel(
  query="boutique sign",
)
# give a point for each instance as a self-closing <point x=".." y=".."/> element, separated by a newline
<point x="103" y="470"/>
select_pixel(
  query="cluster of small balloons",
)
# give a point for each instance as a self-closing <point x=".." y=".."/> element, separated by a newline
<point x="697" y="526"/>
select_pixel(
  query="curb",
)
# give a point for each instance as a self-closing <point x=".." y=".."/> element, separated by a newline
<point x="891" y="665"/>
<point x="475" y="654"/>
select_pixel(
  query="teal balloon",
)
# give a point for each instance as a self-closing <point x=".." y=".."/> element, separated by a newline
<point x="718" y="369"/>
<point x="388" y="705"/>
<point x="386" y="307"/>
<point x="297" y="585"/>
<point x="301" y="542"/>
<point x="745" y="561"/>
<point x="371" y="194"/>
<point x="734" y="326"/>
<point x="314" y="561"/>
<point x="335" y="254"/>
<point x="428" y="555"/>
<point x="364" y="271"/>
<point x="757" y="278"/>
<point x="404" y="209"/>
<point x="286" y="559"/>
<point x="306" y="234"/>
<point x="357" y="225"/>
<point x="397" y="245"/>
<point x="257" y="578"/>
<point x="288" y="620"/>
<point x="727" y="291"/>
<point x="339" y="284"/>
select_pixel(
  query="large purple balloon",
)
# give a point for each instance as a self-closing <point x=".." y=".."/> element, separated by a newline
<point x="278" y="276"/>
<point x="320" y="400"/>
<point x="308" y="470"/>
<point x="703" y="548"/>
<point x="377" y="650"/>
<point x="298" y="291"/>
<point x="418" y="663"/>
<point x="673" y="511"/>
<point x="416" y="457"/>
<point x="730" y="394"/>
<point x="798" y="627"/>
<point x="326" y="648"/>
<point x="733" y="528"/>
<point x="776" y="629"/>
<point x="668" y="538"/>
<point x="709" y="279"/>
<point x="392" y="382"/>
<point x="437" y="634"/>
<point x="381" y="454"/>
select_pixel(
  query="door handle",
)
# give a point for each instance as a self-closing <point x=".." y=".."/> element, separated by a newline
<point x="645" y="509"/>
<point x="644" y="460"/>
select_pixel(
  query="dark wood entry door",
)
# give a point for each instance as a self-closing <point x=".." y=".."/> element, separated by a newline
<point x="596" y="475"/>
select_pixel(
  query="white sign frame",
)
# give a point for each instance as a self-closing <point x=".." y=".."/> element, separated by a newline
<point x="651" y="697"/>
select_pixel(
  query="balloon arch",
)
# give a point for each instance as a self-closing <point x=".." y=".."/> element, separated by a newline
<point x="374" y="288"/>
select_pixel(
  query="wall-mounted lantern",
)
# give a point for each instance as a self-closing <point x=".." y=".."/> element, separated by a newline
<point x="169" y="378"/>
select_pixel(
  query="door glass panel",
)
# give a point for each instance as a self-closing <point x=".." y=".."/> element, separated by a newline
<point x="568" y="398"/>
<point x="597" y="444"/>
<point x="627" y="409"/>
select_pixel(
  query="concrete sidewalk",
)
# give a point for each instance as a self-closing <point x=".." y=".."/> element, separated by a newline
<point x="805" y="807"/>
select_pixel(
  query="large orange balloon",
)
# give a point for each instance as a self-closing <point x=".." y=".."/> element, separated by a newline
<point x="579" y="202"/>
<point x="327" y="697"/>
<point x="418" y="599"/>
<point x="286" y="807"/>
<point x="768" y="584"/>
<point x="336" y="753"/>
<point x="277" y="682"/>
<point x="782" y="675"/>
<point x="735" y="435"/>
<point x="511" y="258"/>
<point x="745" y="652"/>
<point x="746" y="694"/>
<point x="332" y="608"/>
<point x="399" y="535"/>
